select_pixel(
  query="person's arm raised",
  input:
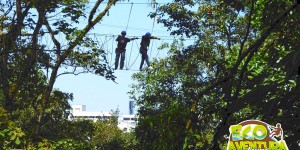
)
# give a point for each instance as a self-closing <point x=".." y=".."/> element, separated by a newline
<point x="134" y="38"/>
<point x="153" y="37"/>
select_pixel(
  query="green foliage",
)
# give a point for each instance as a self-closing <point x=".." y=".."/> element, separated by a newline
<point x="30" y="66"/>
<point x="129" y="141"/>
<point x="239" y="68"/>
<point x="11" y="136"/>
<point x="67" y="135"/>
<point x="86" y="134"/>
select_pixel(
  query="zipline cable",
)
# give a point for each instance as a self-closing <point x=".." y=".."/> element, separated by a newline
<point x="129" y="16"/>
<point x="161" y="37"/>
<point x="126" y="3"/>
<point x="126" y="62"/>
<point x="133" y="28"/>
<point x="155" y="6"/>
<point x="112" y="48"/>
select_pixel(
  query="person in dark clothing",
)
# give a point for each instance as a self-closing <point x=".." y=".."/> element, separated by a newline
<point x="121" y="48"/>
<point x="144" y="48"/>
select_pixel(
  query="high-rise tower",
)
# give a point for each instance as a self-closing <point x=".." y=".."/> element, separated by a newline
<point x="131" y="107"/>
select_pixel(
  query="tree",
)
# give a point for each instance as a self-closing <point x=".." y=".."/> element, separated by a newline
<point x="239" y="68"/>
<point x="24" y="56"/>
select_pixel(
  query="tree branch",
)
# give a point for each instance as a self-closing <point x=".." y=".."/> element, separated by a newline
<point x="93" y="11"/>
<point x="55" y="41"/>
<point x="248" y="27"/>
<point x="65" y="54"/>
<point x="8" y="41"/>
<point x="73" y="72"/>
<point x="252" y="49"/>
<point x="31" y="59"/>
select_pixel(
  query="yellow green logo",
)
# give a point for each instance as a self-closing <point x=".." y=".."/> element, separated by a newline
<point x="256" y="135"/>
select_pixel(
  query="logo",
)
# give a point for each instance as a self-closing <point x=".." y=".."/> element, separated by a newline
<point x="256" y="135"/>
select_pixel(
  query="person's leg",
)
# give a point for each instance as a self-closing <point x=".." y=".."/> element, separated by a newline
<point x="117" y="60"/>
<point x="122" y="59"/>
<point x="142" y="62"/>
<point x="147" y="59"/>
<point x="143" y="58"/>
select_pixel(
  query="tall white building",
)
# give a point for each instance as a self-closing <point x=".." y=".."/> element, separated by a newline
<point x="125" y="122"/>
<point x="79" y="112"/>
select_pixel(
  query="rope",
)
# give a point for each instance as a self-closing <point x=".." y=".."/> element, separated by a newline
<point x="126" y="3"/>
<point x="136" y="56"/>
<point x="129" y="16"/>
<point x="166" y="38"/>
<point x="127" y="62"/>
<point x="154" y="18"/>
<point x="155" y="6"/>
<point x="132" y="70"/>
<point x="102" y="44"/>
<point x="159" y="50"/>
<point x="112" y="47"/>
<point x="107" y="50"/>
<point x="105" y="40"/>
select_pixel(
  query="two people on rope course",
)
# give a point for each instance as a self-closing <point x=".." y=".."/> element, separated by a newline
<point x="121" y="48"/>
<point x="144" y="48"/>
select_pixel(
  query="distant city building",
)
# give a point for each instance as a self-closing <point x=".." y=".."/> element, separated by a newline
<point x="125" y="122"/>
<point x="131" y="107"/>
<point x="79" y="112"/>
<point x="78" y="108"/>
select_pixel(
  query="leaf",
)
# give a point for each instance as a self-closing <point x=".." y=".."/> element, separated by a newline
<point x="9" y="134"/>
<point x="185" y="142"/>
<point x="13" y="137"/>
<point x="151" y="125"/>
<point x="17" y="141"/>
